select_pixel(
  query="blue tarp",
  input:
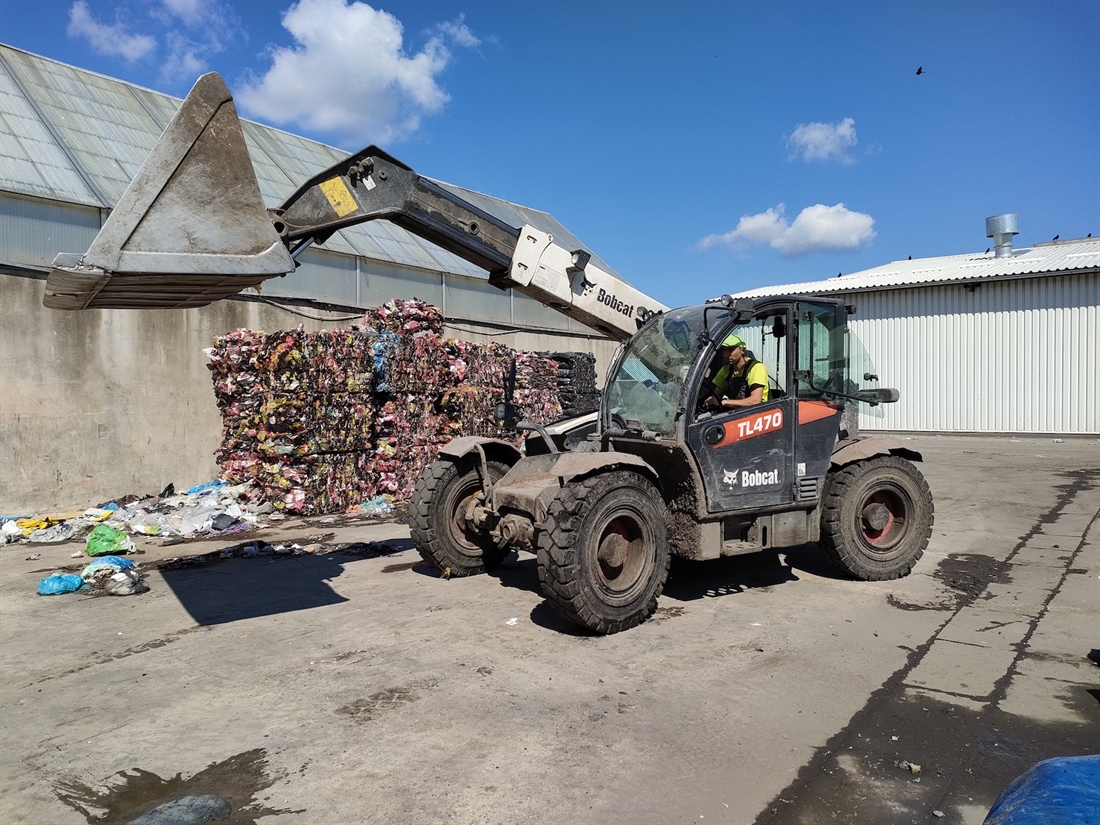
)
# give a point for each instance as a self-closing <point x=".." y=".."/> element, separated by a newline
<point x="1062" y="791"/>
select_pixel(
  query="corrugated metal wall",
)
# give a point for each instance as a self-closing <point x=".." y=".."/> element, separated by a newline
<point x="1007" y="356"/>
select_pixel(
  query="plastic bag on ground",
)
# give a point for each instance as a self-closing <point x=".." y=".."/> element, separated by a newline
<point x="9" y="532"/>
<point x="59" y="583"/>
<point x="209" y="485"/>
<point x="107" y="541"/>
<point x="377" y="507"/>
<point x="52" y="535"/>
<point x="104" y="565"/>
<point x="189" y="810"/>
<point x="125" y="583"/>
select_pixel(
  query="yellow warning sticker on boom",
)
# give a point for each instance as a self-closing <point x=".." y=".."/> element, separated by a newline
<point x="339" y="196"/>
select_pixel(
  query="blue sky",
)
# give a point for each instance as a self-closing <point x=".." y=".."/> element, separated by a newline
<point x="698" y="147"/>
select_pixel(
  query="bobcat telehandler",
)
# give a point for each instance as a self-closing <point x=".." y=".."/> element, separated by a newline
<point x="604" y="501"/>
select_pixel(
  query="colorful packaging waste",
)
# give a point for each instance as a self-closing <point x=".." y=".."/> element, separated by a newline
<point x="323" y="422"/>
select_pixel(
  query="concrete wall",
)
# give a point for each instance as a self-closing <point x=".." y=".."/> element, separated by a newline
<point x="98" y="404"/>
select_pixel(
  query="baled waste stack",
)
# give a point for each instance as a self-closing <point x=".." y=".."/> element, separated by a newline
<point x="323" y="421"/>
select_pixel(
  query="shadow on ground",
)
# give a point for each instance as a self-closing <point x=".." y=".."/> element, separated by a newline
<point x="217" y="591"/>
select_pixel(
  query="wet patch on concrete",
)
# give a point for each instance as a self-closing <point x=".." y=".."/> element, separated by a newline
<point x="965" y="576"/>
<point x="914" y="754"/>
<point x="222" y="792"/>
<point x="969" y="574"/>
<point x="364" y="710"/>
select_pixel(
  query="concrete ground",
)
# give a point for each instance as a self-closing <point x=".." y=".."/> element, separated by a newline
<point x="360" y="687"/>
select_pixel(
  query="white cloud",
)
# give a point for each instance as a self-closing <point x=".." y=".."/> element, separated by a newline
<point x="817" y="228"/>
<point x="824" y="141"/>
<point x="113" y="40"/>
<point x="191" y="13"/>
<point x="349" y="75"/>
<point x="198" y="30"/>
<point x="186" y="60"/>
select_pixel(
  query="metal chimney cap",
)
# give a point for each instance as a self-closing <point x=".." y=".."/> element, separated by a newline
<point x="1008" y="224"/>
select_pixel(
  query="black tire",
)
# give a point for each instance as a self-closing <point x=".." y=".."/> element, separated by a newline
<point x="603" y="551"/>
<point x="876" y="518"/>
<point x="437" y="517"/>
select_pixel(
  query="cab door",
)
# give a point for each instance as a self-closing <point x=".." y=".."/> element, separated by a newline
<point x="746" y="456"/>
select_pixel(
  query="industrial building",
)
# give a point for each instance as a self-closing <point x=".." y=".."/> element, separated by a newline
<point x="1002" y="341"/>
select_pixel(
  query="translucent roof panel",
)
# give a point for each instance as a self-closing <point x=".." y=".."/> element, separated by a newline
<point x="31" y="161"/>
<point x="100" y="121"/>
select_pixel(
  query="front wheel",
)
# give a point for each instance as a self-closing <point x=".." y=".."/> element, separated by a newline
<point x="603" y="551"/>
<point x="437" y="517"/>
<point x="876" y="518"/>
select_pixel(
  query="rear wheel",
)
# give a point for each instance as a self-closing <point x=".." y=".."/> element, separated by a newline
<point x="876" y="518"/>
<point x="437" y="517"/>
<point x="603" y="551"/>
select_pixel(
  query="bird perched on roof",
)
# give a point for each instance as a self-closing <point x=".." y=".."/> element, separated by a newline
<point x="910" y="257"/>
<point x="920" y="69"/>
<point x="1056" y="237"/>
<point x="987" y="250"/>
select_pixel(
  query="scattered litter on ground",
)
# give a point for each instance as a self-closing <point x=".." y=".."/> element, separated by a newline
<point x="33" y="557"/>
<point x="907" y="766"/>
<point x="512" y="622"/>
<point x="59" y="583"/>
<point x="370" y="549"/>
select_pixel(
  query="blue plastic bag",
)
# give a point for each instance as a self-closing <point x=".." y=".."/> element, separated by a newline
<point x="59" y="583"/>
<point x="1061" y="791"/>
<point x="208" y="485"/>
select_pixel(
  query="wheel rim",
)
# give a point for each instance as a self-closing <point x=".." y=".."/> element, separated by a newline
<point x="621" y="554"/>
<point x="882" y="519"/>
<point x="462" y="536"/>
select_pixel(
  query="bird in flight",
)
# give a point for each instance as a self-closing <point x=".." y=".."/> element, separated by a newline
<point x="920" y="69"/>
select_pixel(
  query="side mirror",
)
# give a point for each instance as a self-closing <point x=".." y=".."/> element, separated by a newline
<point x="886" y="395"/>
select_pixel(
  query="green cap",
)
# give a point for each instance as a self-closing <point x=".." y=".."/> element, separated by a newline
<point x="733" y="341"/>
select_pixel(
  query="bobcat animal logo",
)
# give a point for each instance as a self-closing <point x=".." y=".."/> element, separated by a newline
<point x="729" y="477"/>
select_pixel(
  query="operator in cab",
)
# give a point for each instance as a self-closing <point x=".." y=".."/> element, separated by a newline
<point x="742" y="381"/>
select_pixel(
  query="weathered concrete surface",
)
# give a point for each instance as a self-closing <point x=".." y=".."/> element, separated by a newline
<point x="345" y="688"/>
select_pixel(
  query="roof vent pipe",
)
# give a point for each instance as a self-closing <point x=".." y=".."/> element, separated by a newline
<point x="1001" y="228"/>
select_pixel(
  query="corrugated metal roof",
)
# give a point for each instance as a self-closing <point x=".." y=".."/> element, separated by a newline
<point x="80" y="137"/>
<point x="1056" y="258"/>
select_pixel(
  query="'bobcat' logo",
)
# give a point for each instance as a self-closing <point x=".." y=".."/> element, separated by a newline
<point x="729" y="477"/>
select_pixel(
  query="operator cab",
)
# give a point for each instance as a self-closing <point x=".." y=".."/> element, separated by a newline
<point x="772" y="454"/>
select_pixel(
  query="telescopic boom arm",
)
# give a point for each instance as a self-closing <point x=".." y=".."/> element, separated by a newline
<point x="192" y="228"/>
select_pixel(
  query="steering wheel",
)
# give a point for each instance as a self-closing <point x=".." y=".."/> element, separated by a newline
<point x="707" y="388"/>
